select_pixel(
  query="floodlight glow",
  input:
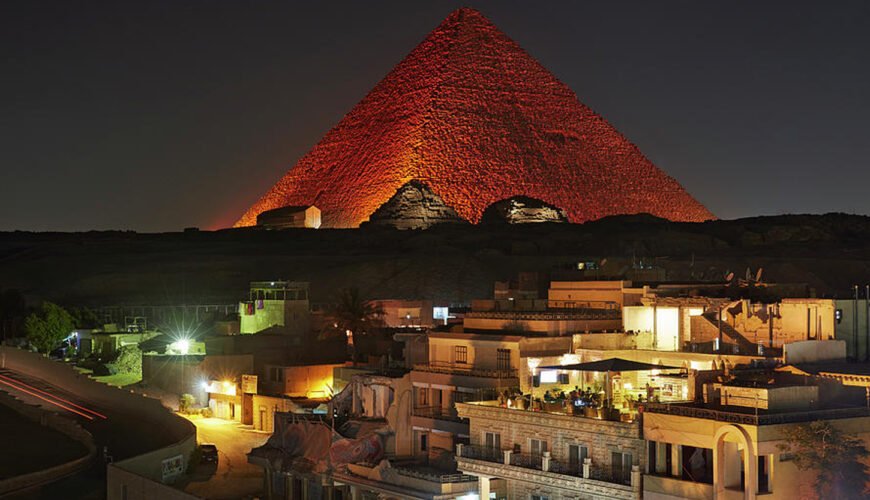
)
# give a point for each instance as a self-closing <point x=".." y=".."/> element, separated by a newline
<point x="183" y="346"/>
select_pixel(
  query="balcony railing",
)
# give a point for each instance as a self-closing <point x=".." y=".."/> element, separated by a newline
<point x="438" y="413"/>
<point x="435" y="478"/>
<point x="484" y="453"/>
<point x="527" y="460"/>
<point x="750" y="418"/>
<point x="464" y="369"/>
<point x="546" y="463"/>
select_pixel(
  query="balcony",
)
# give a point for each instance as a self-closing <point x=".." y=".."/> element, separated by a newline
<point x="543" y="469"/>
<point x="438" y="413"/>
<point x="465" y="369"/>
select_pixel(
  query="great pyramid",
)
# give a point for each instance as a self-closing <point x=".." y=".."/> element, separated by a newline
<point x="476" y="119"/>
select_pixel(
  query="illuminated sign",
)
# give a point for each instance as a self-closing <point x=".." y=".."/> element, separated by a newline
<point x="549" y="376"/>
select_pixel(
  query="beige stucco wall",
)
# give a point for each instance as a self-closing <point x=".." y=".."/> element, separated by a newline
<point x="482" y="353"/>
<point x="787" y="481"/>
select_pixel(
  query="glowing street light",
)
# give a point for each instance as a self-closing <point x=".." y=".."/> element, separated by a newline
<point x="183" y="346"/>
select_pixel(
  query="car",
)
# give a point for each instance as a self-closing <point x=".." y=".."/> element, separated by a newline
<point x="209" y="453"/>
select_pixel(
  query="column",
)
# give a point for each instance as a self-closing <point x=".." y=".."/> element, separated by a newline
<point x="507" y="457"/>
<point x="355" y="493"/>
<point x="483" y="488"/>
<point x="587" y="468"/>
<point x="545" y="461"/>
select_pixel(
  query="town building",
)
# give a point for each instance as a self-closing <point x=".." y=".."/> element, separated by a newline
<point x="290" y="217"/>
<point x="277" y="306"/>
<point x="726" y="443"/>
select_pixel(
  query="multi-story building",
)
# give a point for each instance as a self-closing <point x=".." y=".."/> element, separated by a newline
<point x="551" y="453"/>
<point x="726" y="443"/>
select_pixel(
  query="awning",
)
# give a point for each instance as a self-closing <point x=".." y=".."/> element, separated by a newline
<point x="610" y="365"/>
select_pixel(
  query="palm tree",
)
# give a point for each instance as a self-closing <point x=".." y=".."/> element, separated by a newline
<point x="356" y="316"/>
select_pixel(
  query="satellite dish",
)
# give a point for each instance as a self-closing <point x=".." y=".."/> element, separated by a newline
<point x="758" y="274"/>
<point x="748" y="274"/>
<point x="729" y="277"/>
<point x="603" y="261"/>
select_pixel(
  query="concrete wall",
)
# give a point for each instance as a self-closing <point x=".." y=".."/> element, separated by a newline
<point x="812" y="351"/>
<point x="846" y="327"/>
<point x="60" y="424"/>
<point x="593" y="293"/>
<point x="147" y="467"/>
<point x="292" y="315"/>
<point x="126" y="485"/>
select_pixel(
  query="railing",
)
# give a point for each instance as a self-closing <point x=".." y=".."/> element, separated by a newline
<point x="436" y="478"/>
<point x="527" y="460"/>
<point x="439" y="413"/>
<point x="786" y="417"/>
<point x="567" y="469"/>
<point x="463" y="369"/>
<point x="485" y="453"/>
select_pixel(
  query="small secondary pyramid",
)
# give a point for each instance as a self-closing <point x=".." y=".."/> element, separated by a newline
<point x="477" y="120"/>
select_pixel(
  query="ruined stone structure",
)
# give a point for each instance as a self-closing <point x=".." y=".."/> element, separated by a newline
<point x="414" y="206"/>
<point x="477" y="119"/>
<point x="522" y="210"/>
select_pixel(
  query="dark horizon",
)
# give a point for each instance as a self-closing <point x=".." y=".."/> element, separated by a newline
<point x="156" y="116"/>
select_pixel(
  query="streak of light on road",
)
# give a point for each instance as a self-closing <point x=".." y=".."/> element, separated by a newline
<point x="50" y="398"/>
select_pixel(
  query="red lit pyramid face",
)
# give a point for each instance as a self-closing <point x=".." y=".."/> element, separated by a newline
<point x="473" y="117"/>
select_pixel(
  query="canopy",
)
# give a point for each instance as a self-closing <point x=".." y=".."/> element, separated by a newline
<point x="610" y="365"/>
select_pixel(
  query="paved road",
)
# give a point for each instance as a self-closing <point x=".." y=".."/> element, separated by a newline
<point x="123" y="435"/>
<point x="234" y="477"/>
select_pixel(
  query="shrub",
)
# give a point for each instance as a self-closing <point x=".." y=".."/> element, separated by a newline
<point x="129" y="360"/>
<point x="206" y="413"/>
<point x="186" y="402"/>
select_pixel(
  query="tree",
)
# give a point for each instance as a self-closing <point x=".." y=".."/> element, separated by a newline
<point x="47" y="327"/>
<point x="836" y="457"/>
<point x="357" y="316"/>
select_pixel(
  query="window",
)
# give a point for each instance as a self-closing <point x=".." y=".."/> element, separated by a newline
<point x="620" y="467"/>
<point x="460" y="354"/>
<point x="275" y="374"/>
<point x="492" y="440"/>
<point x="422" y="397"/>
<point x="537" y="446"/>
<point x="764" y="485"/>
<point x="424" y="442"/>
<point x="697" y="464"/>
<point x="577" y="454"/>
<point x="540" y="497"/>
<point x="503" y="359"/>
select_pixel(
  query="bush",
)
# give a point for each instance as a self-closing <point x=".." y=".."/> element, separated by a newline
<point x="186" y="402"/>
<point x="129" y="360"/>
<point x="206" y="413"/>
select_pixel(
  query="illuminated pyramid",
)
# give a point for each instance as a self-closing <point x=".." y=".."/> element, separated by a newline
<point x="477" y="120"/>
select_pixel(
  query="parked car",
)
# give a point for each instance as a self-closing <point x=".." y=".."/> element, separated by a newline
<point x="209" y="453"/>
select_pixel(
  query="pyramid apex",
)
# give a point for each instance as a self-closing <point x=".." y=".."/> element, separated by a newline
<point x="466" y="14"/>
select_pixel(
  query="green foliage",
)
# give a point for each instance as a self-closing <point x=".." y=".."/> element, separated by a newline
<point x="47" y="327"/>
<point x="356" y="315"/>
<point x="206" y="413"/>
<point x="186" y="402"/>
<point x="836" y="457"/>
<point x="129" y="360"/>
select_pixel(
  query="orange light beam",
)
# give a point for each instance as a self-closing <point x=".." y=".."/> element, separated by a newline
<point x="15" y="381"/>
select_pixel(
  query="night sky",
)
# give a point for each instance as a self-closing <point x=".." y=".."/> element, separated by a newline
<point x="155" y="115"/>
